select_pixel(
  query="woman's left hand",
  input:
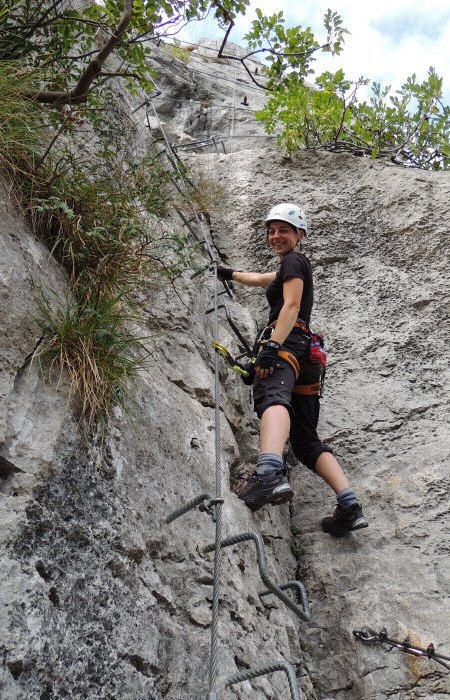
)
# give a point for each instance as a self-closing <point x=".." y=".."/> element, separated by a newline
<point x="267" y="359"/>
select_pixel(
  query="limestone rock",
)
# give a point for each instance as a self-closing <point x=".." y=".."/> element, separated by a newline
<point x="101" y="598"/>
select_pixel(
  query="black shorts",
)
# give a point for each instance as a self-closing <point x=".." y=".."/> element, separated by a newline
<point x="276" y="390"/>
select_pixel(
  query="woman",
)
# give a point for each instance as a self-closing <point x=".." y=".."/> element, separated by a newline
<point x="287" y="383"/>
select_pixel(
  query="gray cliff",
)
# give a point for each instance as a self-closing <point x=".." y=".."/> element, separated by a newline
<point x="100" y="598"/>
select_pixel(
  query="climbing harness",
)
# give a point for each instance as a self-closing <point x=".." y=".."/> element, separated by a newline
<point x="300" y="324"/>
<point x="317" y="356"/>
<point x="307" y="389"/>
<point x="316" y="388"/>
<point x="367" y="635"/>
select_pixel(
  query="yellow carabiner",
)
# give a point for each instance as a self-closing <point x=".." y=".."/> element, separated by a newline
<point x="229" y="360"/>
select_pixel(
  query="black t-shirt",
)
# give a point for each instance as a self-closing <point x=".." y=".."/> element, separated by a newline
<point x="293" y="265"/>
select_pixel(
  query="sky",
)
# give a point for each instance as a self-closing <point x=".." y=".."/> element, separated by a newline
<point x="389" y="40"/>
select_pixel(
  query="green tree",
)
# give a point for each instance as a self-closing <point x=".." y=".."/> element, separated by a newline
<point x="71" y="40"/>
<point x="65" y="44"/>
<point x="412" y="127"/>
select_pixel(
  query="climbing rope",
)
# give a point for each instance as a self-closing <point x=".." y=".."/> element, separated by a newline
<point x="368" y="636"/>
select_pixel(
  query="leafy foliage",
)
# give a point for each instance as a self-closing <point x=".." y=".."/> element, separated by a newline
<point x="181" y="53"/>
<point x="105" y="227"/>
<point x="291" y="49"/>
<point x="412" y="127"/>
<point x="101" y="214"/>
<point x="67" y="42"/>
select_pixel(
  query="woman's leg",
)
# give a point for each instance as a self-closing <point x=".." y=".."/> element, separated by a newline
<point x="268" y="483"/>
<point x="274" y="429"/>
<point x="330" y="470"/>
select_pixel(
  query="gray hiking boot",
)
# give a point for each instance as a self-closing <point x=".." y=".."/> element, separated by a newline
<point x="260" y="490"/>
<point x="344" y="520"/>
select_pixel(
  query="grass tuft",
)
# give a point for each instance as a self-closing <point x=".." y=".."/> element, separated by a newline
<point x="94" y="344"/>
<point x="101" y="213"/>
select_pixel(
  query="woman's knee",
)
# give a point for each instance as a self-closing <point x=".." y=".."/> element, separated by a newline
<point x="308" y="453"/>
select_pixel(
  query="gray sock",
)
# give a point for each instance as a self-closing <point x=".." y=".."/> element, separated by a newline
<point x="346" y="498"/>
<point x="269" y="463"/>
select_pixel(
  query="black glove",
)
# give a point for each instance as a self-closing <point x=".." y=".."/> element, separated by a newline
<point x="225" y="273"/>
<point x="269" y="356"/>
<point x="251" y="374"/>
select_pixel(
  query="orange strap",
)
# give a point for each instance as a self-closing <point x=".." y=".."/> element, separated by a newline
<point x="287" y="356"/>
<point x="306" y="389"/>
<point x="291" y="359"/>
<point x="298" y="324"/>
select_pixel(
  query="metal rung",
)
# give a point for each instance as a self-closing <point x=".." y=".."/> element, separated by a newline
<point x="268" y="668"/>
<point x="187" y="223"/>
<point x="192" y="144"/>
<point x="303" y="613"/>
<point x="228" y="289"/>
<point x="201" y="143"/>
<point x="235" y="329"/>
<point x="301" y="592"/>
<point x="204" y="500"/>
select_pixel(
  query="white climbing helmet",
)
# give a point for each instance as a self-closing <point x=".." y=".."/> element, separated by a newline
<point x="290" y="213"/>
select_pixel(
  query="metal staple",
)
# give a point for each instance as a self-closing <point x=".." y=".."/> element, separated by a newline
<point x="234" y="327"/>
<point x="268" y="668"/>
<point x="204" y="498"/>
<point x="298" y="585"/>
<point x="302" y="613"/>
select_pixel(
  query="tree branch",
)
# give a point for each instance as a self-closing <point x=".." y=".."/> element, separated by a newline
<point x="253" y="53"/>
<point x="125" y="74"/>
<point x="79" y="93"/>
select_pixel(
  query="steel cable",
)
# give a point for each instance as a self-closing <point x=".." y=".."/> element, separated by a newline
<point x="212" y="694"/>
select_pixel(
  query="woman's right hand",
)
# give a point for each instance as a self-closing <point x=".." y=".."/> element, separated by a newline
<point x="224" y="273"/>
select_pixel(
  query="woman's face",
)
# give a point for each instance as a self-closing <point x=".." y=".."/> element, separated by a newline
<point x="282" y="237"/>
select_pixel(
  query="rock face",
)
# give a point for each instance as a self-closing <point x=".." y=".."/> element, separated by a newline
<point x="203" y="96"/>
<point x="101" y="598"/>
<point x="375" y="241"/>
